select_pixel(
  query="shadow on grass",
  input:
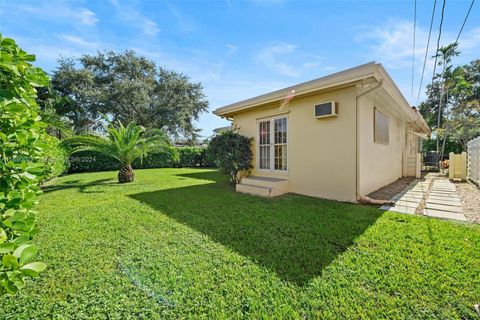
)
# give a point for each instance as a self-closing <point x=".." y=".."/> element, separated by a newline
<point x="294" y="236"/>
<point x="82" y="187"/>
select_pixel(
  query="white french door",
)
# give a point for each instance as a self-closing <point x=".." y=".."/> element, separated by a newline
<point x="272" y="144"/>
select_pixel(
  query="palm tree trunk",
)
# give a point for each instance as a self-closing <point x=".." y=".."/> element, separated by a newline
<point x="125" y="174"/>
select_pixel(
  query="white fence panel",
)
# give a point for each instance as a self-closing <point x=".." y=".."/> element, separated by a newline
<point x="474" y="161"/>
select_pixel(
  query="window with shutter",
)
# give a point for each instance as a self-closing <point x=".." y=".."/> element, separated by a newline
<point x="381" y="127"/>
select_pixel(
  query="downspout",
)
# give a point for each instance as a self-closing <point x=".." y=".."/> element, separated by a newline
<point x="363" y="198"/>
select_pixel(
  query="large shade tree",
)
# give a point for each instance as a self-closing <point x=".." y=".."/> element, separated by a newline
<point x="127" y="88"/>
<point x="125" y="144"/>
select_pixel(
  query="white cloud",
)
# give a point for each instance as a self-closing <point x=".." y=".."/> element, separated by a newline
<point x="149" y="27"/>
<point x="86" y="17"/>
<point x="231" y="49"/>
<point x="184" y="23"/>
<point x="284" y="58"/>
<point x="469" y="42"/>
<point x="78" y="41"/>
<point x="271" y="57"/>
<point x="128" y="13"/>
<point x="59" y="10"/>
<point x="392" y="42"/>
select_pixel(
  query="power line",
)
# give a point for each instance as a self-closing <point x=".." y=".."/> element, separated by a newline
<point x="414" y="38"/>
<point x="426" y="51"/>
<point x="465" y="21"/>
<point x="434" y="70"/>
<point x="438" y="39"/>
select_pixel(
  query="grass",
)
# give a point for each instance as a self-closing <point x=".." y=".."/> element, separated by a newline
<point x="180" y="243"/>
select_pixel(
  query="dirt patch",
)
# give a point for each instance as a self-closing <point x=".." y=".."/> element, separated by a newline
<point x="470" y="196"/>
<point x="389" y="191"/>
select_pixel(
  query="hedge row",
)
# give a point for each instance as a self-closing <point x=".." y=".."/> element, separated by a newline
<point x="88" y="161"/>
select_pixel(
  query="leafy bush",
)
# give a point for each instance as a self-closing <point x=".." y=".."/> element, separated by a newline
<point x="231" y="152"/>
<point x="89" y="161"/>
<point x="193" y="157"/>
<point x="55" y="158"/>
<point x="21" y="167"/>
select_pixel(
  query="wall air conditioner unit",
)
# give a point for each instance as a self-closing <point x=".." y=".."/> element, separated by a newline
<point x="326" y="109"/>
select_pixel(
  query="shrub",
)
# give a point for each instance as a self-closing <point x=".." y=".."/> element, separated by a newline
<point x="21" y="168"/>
<point x="231" y="152"/>
<point x="193" y="157"/>
<point x="89" y="161"/>
<point x="55" y="158"/>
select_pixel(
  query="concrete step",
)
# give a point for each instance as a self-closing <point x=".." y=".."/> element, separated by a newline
<point x="265" y="182"/>
<point x="256" y="190"/>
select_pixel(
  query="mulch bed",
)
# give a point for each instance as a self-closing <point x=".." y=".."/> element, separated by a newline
<point x="389" y="191"/>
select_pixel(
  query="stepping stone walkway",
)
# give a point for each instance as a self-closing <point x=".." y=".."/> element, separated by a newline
<point x="443" y="201"/>
<point x="432" y="196"/>
<point x="410" y="198"/>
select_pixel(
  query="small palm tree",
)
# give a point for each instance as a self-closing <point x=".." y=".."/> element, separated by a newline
<point x="124" y="144"/>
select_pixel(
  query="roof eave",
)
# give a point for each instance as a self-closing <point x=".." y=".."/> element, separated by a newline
<point x="328" y="82"/>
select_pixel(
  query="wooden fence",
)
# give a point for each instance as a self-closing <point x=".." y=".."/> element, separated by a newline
<point x="474" y="161"/>
<point x="457" y="166"/>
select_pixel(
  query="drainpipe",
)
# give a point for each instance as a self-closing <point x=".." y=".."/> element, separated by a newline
<point x="363" y="198"/>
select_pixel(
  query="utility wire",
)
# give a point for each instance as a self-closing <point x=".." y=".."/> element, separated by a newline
<point x="438" y="39"/>
<point x="434" y="70"/>
<point x="414" y="38"/>
<point x="426" y="51"/>
<point x="465" y="21"/>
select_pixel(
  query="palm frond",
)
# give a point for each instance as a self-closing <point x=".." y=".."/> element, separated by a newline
<point x="123" y="143"/>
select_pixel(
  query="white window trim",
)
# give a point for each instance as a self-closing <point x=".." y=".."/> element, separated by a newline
<point x="272" y="144"/>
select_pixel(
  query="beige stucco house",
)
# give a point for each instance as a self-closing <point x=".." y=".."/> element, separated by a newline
<point x="338" y="137"/>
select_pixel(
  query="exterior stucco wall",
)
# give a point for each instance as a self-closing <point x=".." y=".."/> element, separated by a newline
<point x="321" y="152"/>
<point x="379" y="164"/>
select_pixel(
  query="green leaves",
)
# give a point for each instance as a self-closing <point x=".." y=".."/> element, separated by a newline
<point x="21" y="167"/>
<point x="125" y="144"/>
<point x="25" y="252"/>
<point x="10" y="261"/>
<point x="33" y="269"/>
<point x="232" y="153"/>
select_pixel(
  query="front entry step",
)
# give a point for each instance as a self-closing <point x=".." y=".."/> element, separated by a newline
<point x="263" y="186"/>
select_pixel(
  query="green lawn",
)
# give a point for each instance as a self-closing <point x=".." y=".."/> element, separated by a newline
<point x="180" y="243"/>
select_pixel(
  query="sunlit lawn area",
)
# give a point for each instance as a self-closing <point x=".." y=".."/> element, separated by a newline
<point x="180" y="243"/>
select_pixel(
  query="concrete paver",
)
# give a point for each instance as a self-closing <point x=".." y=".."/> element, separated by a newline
<point x="443" y="202"/>
<point x="438" y="197"/>
<point x="445" y="215"/>
<point x="442" y="207"/>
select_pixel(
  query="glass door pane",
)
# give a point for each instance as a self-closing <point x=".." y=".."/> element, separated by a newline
<point x="264" y="145"/>
<point x="280" y="144"/>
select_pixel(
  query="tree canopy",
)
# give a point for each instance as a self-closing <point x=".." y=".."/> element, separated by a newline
<point x="457" y="91"/>
<point x="128" y="88"/>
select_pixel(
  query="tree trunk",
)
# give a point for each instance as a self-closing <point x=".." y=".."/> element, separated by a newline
<point x="125" y="174"/>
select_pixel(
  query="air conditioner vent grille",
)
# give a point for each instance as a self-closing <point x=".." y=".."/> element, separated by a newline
<point x="327" y="109"/>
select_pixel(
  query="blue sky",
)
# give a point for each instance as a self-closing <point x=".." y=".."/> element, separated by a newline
<point x="240" y="49"/>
